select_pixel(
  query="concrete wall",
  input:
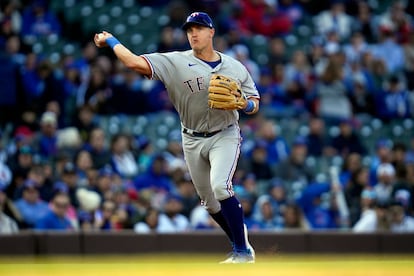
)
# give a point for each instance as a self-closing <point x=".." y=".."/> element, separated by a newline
<point x="54" y="243"/>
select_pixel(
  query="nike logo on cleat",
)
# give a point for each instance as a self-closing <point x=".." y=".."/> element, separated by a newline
<point x="192" y="64"/>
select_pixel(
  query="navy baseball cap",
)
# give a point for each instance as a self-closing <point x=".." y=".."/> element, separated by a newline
<point x="198" y="18"/>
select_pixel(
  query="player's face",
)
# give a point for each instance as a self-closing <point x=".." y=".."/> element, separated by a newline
<point x="199" y="37"/>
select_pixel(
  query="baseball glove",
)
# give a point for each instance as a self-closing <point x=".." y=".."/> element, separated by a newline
<point x="225" y="93"/>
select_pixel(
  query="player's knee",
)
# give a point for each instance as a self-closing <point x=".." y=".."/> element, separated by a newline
<point x="222" y="194"/>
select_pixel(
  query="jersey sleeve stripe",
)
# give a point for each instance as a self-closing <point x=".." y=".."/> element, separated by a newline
<point x="150" y="65"/>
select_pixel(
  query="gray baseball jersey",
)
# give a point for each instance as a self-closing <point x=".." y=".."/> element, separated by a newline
<point x="211" y="160"/>
<point x="186" y="79"/>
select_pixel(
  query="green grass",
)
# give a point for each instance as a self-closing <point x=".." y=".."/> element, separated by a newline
<point x="200" y="265"/>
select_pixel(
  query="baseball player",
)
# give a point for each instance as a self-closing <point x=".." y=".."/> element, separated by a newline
<point x="207" y="88"/>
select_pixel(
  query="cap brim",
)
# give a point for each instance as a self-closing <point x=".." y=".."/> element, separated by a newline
<point x="186" y="25"/>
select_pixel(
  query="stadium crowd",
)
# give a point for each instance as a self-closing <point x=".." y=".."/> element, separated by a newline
<point x="60" y="169"/>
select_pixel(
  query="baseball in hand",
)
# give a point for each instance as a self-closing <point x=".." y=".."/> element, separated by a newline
<point x="101" y="36"/>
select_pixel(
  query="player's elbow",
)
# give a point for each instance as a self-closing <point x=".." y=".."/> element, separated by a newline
<point x="139" y="65"/>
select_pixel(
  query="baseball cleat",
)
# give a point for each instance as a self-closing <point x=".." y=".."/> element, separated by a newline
<point x="248" y="245"/>
<point x="239" y="258"/>
<point x="242" y="257"/>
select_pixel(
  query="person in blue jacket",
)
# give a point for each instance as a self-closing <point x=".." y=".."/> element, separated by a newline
<point x="318" y="207"/>
<point x="56" y="218"/>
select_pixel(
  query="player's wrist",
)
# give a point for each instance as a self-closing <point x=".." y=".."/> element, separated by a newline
<point x="112" y="41"/>
<point x="250" y="107"/>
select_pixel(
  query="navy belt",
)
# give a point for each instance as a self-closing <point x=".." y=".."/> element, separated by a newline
<point x="202" y="134"/>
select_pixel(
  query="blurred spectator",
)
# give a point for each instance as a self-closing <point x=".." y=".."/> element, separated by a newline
<point x="99" y="91"/>
<point x="200" y="219"/>
<point x="276" y="146"/>
<point x="97" y="146"/>
<point x="274" y="100"/>
<point x="25" y="127"/>
<point x="127" y="199"/>
<point x="403" y="191"/>
<point x="373" y="216"/>
<point x="174" y="155"/>
<point x="128" y="96"/>
<point x="277" y="193"/>
<point x="294" y="171"/>
<point x="409" y="61"/>
<point x="242" y="54"/>
<point x="71" y="212"/>
<point x="105" y="216"/>
<point x="40" y="83"/>
<point x="171" y="39"/>
<point x="105" y="182"/>
<point x="356" y="47"/>
<point x="150" y="222"/>
<point x="56" y="219"/>
<point x="316" y="54"/>
<point x="38" y="21"/>
<point x="9" y="94"/>
<point x="122" y="159"/>
<point x="358" y="182"/>
<point x="154" y="183"/>
<point x="347" y="141"/>
<point x="69" y="140"/>
<point x="386" y="180"/>
<point x="264" y="17"/>
<point x="19" y="164"/>
<point x="45" y="141"/>
<point x="258" y="163"/>
<point x="395" y="20"/>
<point x="264" y="215"/>
<point x="30" y="206"/>
<point x="365" y="22"/>
<point x="382" y="154"/>
<point x="188" y="195"/>
<point x="177" y="10"/>
<point x="400" y="221"/>
<point x="171" y="220"/>
<point x="352" y="162"/>
<point x="88" y="209"/>
<point x="85" y="121"/>
<point x="393" y="102"/>
<point x="293" y="218"/>
<point x="70" y="178"/>
<point x="332" y="102"/>
<point x="83" y="163"/>
<point x="10" y="17"/>
<point x="315" y="201"/>
<point x="145" y="152"/>
<point x="399" y="154"/>
<point x="7" y="224"/>
<point x="377" y="69"/>
<point x="293" y="10"/>
<point x="5" y="174"/>
<point x="277" y="51"/>
<point x="389" y="51"/>
<point x="334" y="19"/>
<point x="298" y="80"/>
<point x="316" y="138"/>
<point x="362" y="100"/>
<point x="83" y="65"/>
<point x="44" y="184"/>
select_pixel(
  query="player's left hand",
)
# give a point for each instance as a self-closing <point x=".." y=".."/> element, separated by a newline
<point x="100" y="39"/>
<point x="225" y="93"/>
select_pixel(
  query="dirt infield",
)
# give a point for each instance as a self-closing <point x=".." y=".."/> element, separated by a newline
<point x="200" y="265"/>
